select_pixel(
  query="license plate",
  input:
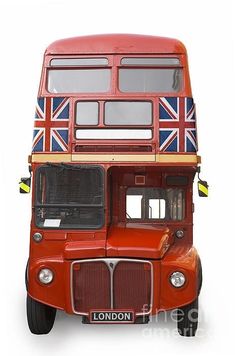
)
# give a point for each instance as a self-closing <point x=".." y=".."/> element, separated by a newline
<point x="111" y="317"/>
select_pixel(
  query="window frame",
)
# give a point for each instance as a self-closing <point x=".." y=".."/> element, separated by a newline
<point x="101" y="100"/>
<point x="147" y="68"/>
<point x="80" y="68"/>
<point x="134" y="57"/>
<point x="75" y="113"/>
<point x="114" y="63"/>
<point x="156" y="220"/>
<point x="101" y="115"/>
<point x="129" y="125"/>
<point x="185" y="84"/>
<point x="37" y="205"/>
<point x="115" y="130"/>
<point x="74" y="58"/>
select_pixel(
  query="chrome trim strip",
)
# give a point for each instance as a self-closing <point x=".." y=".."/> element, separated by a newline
<point x="109" y="261"/>
<point x="111" y="264"/>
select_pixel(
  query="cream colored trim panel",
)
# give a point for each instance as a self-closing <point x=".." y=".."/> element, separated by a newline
<point x="76" y="157"/>
<point x="112" y="158"/>
<point x="51" y="157"/>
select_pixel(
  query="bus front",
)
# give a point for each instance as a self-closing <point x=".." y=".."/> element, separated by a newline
<point x="113" y="162"/>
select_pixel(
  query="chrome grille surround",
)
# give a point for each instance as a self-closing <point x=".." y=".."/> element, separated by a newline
<point x="109" y="262"/>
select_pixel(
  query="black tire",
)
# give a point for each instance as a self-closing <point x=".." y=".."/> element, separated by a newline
<point x="26" y="276"/>
<point x="40" y="317"/>
<point x="199" y="276"/>
<point x="187" y="319"/>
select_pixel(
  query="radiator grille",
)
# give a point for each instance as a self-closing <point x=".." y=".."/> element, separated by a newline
<point x="132" y="286"/>
<point x="111" y="284"/>
<point x="91" y="286"/>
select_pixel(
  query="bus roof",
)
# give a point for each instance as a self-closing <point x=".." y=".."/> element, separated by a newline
<point x="116" y="43"/>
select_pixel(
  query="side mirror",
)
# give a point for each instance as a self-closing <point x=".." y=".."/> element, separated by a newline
<point x="202" y="188"/>
<point x="25" y="184"/>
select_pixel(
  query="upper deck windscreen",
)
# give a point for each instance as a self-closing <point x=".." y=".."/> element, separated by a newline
<point x="79" y="81"/>
<point x="150" y="80"/>
<point x="128" y="75"/>
<point x="150" y="75"/>
<point x="79" y="75"/>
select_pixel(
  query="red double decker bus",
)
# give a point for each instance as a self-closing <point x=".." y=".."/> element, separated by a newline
<point x="113" y="162"/>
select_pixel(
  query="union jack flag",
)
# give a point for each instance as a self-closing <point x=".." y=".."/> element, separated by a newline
<point x="51" y="125"/>
<point x="177" y="125"/>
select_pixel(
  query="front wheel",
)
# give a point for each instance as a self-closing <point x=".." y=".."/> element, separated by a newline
<point x="40" y="317"/>
<point x="187" y="319"/>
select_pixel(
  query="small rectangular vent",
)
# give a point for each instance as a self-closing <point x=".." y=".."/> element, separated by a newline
<point x="140" y="180"/>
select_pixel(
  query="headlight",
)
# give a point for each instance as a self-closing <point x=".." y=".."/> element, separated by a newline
<point x="177" y="279"/>
<point x="45" y="276"/>
<point x="37" y="237"/>
<point x="179" y="234"/>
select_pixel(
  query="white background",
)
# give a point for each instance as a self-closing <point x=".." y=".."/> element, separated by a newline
<point x="207" y="29"/>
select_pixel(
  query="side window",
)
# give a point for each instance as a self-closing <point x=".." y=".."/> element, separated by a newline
<point x="155" y="203"/>
<point x="133" y="206"/>
<point x="157" y="208"/>
<point x="135" y="209"/>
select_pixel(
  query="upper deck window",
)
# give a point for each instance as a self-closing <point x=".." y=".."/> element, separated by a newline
<point x="128" y="113"/>
<point x="87" y="113"/>
<point x="79" y="80"/>
<point x="150" y="80"/>
<point x="119" y="113"/>
<point x="150" y="75"/>
<point x="150" y="61"/>
<point x="76" y="62"/>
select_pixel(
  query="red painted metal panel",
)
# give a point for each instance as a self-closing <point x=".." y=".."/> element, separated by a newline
<point x="138" y="242"/>
<point x="84" y="249"/>
<point x="116" y="43"/>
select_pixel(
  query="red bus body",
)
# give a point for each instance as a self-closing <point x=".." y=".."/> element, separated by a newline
<point x="146" y="250"/>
